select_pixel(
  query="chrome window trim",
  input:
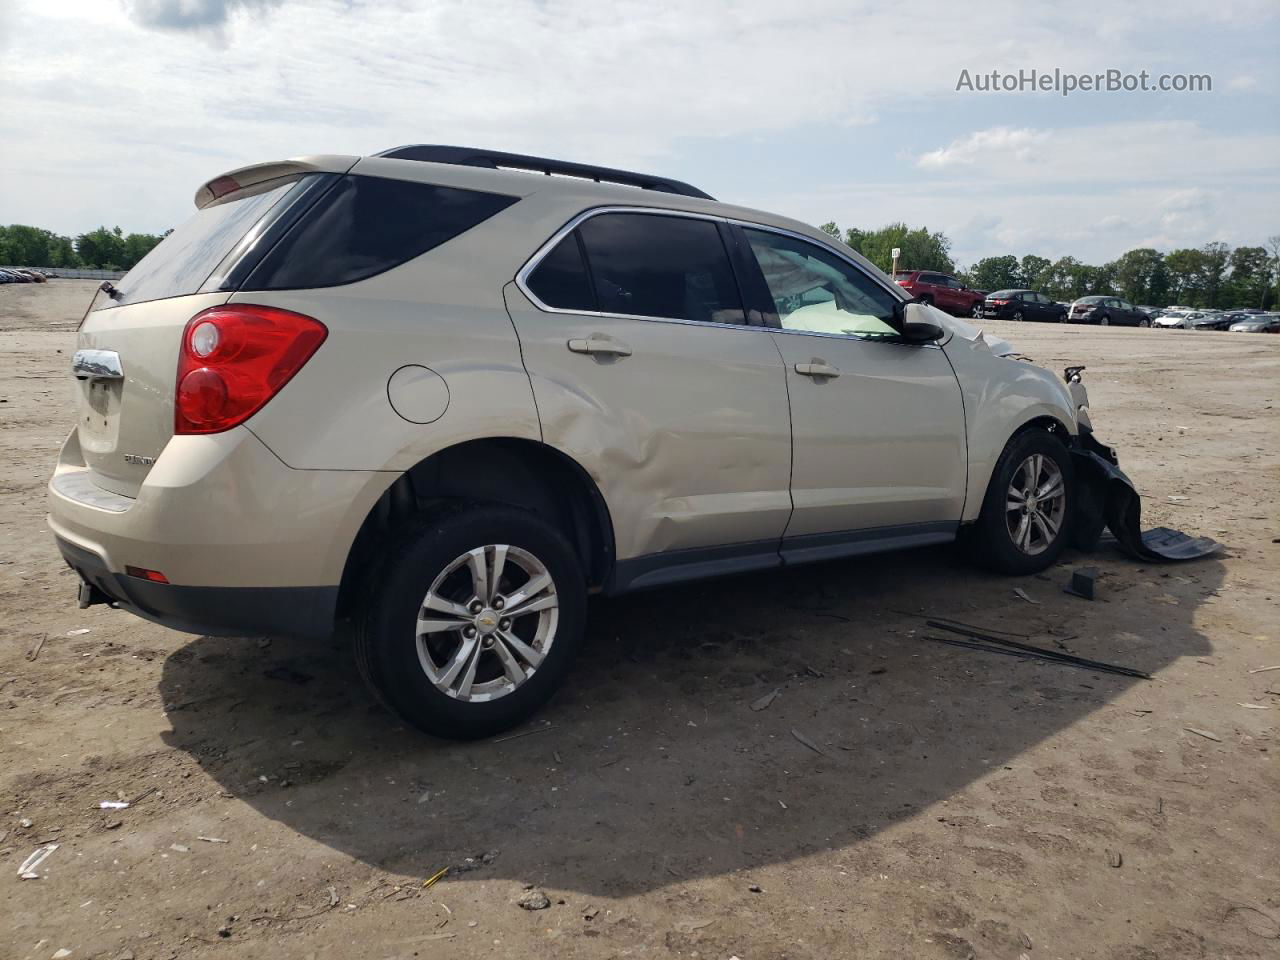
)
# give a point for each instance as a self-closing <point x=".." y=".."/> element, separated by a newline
<point x="522" y="275"/>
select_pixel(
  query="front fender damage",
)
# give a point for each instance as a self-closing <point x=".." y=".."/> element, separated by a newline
<point x="1107" y="500"/>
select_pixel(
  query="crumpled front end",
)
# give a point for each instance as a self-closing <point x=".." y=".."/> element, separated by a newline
<point x="1107" y="499"/>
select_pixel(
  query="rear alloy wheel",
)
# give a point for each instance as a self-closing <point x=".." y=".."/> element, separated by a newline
<point x="1144" y="323"/>
<point x="976" y="312"/>
<point x="1017" y="315"/>
<point x="1105" y="321"/>
<point x="1026" y="515"/>
<point x="472" y="621"/>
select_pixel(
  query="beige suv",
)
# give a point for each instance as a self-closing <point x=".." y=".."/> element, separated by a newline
<point x="445" y="394"/>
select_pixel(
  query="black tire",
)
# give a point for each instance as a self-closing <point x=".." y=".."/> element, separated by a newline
<point x="1144" y="323"/>
<point x="385" y="636"/>
<point x="990" y="540"/>
<point x="1017" y="315"/>
<point x="1104" y="321"/>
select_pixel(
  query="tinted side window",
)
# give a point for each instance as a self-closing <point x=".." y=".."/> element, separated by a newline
<point x="561" y="279"/>
<point x="651" y="265"/>
<point x="365" y="225"/>
<point x="814" y="290"/>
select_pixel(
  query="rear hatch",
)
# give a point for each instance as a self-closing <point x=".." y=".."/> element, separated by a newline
<point x="127" y="350"/>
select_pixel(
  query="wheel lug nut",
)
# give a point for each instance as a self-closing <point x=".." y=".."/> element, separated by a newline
<point x="469" y="632"/>
<point x="504" y="625"/>
<point x="497" y="604"/>
<point x="476" y="606"/>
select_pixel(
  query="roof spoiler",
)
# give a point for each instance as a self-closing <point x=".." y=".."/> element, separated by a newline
<point x="257" y="173"/>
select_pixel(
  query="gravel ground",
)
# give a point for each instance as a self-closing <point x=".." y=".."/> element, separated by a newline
<point x="897" y="799"/>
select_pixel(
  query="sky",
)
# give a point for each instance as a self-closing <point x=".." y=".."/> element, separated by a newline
<point x="116" y="111"/>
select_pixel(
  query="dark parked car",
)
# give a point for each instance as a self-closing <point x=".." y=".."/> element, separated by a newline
<point x="1023" y="305"/>
<point x="1108" y="311"/>
<point x="944" y="292"/>
<point x="1257" y="323"/>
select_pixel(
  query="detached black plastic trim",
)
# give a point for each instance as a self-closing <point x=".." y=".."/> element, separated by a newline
<point x="303" y="612"/>
<point x="495" y="159"/>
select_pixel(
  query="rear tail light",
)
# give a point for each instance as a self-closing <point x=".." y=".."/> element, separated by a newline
<point x="142" y="573"/>
<point x="998" y="303"/>
<point x="234" y="359"/>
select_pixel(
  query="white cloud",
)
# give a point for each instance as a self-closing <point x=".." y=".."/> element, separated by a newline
<point x="1023" y="145"/>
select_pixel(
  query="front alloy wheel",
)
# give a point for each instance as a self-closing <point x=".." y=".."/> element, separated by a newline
<point x="976" y="311"/>
<point x="1035" y="505"/>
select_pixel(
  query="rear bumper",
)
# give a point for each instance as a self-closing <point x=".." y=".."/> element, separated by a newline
<point x="247" y="544"/>
<point x="305" y="612"/>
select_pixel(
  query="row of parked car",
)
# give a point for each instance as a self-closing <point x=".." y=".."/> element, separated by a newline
<point x="949" y="294"/>
<point x="23" y="275"/>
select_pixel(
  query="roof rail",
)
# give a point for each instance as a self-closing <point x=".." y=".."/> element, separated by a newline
<point x="496" y="159"/>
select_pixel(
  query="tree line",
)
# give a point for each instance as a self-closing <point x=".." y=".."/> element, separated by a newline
<point x="101" y="249"/>
<point x="1215" y="275"/>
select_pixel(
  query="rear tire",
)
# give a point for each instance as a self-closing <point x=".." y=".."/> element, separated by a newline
<point x="976" y="311"/>
<point x="503" y="667"/>
<point x="1022" y="541"/>
<point x="1017" y="315"/>
<point x="1144" y="323"/>
<point x="1105" y="321"/>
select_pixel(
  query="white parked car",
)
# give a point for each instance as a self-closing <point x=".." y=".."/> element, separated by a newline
<point x="1175" y="319"/>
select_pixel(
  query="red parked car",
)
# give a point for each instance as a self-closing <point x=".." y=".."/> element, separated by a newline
<point x="944" y="292"/>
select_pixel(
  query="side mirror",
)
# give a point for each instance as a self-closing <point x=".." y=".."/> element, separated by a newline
<point x="915" y="324"/>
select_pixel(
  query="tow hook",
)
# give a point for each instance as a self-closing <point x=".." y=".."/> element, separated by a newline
<point x="1072" y="374"/>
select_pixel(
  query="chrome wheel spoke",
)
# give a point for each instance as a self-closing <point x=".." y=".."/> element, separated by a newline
<point x="1051" y="488"/>
<point x="529" y="655"/>
<point x="1024" y="528"/>
<point x="479" y="564"/>
<point x="510" y="666"/>
<point x="465" y="656"/>
<point x="469" y="674"/>
<point x="530" y="590"/>
<point x="495" y="577"/>
<point x="1048" y="525"/>
<point x="431" y="625"/>
<point x="441" y="605"/>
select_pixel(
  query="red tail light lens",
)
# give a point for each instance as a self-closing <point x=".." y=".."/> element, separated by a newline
<point x="998" y="303"/>
<point x="234" y="359"/>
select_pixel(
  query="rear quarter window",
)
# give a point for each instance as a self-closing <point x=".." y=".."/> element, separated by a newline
<point x="366" y="225"/>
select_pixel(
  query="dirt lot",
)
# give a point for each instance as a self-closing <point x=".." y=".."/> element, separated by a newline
<point x="961" y="804"/>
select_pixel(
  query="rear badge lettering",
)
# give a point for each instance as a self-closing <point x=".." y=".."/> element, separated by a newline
<point x="139" y="459"/>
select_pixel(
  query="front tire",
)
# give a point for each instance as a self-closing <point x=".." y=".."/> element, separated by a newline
<point x="1144" y="323"/>
<point x="1105" y="321"/>
<point x="1017" y="315"/>
<point x="976" y="311"/>
<point x="1029" y="507"/>
<point x="471" y="621"/>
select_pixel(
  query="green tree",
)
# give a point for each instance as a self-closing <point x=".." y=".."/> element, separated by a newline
<point x="995" y="273"/>
<point x="1032" y="270"/>
<point x="1141" y="276"/>
<point x="1250" y="277"/>
<point x="101" y="248"/>
<point x="137" y="246"/>
<point x="1213" y="269"/>
<point x="1185" y="277"/>
<point x="830" y="229"/>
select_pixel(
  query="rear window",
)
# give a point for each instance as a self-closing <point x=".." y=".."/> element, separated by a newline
<point x="365" y="225"/>
<point x="1004" y="294"/>
<point x="180" y="263"/>
<point x="1090" y="300"/>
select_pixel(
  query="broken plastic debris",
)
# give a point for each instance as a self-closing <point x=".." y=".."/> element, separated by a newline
<point x="76" y="633"/>
<point x="179" y="847"/>
<point x="1204" y="733"/>
<point x="213" y="840"/>
<point x="1022" y="594"/>
<point x="114" y="805"/>
<point x="28" y="869"/>
<point x="762" y="703"/>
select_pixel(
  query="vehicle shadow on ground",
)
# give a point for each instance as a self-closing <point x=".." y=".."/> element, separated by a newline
<point x="650" y="766"/>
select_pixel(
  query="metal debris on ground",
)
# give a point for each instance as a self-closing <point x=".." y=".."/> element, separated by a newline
<point x="1116" y="858"/>
<point x="1019" y="592"/>
<point x="213" y="840"/>
<point x="1082" y="583"/>
<point x="113" y="805"/>
<point x="1265" y="669"/>
<point x="689" y="926"/>
<point x="987" y="642"/>
<point x="37" y="646"/>
<point x="762" y="703"/>
<point x="1204" y="733"/>
<point x="28" y="869"/>
<point x="1255" y="706"/>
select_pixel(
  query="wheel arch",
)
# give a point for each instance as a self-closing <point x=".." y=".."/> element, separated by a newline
<point x="512" y="471"/>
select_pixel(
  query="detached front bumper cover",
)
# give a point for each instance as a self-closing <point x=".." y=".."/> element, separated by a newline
<point x="1107" y="499"/>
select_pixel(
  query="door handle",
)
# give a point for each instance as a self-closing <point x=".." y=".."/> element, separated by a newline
<point x="97" y="365"/>
<point x="817" y="369"/>
<point x="600" y="347"/>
